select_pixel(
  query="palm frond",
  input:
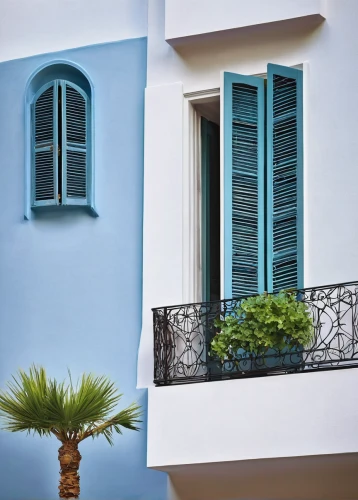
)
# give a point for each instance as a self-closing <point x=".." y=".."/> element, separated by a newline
<point x="127" y="418"/>
<point x="36" y="403"/>
<point x="22" y="407"/>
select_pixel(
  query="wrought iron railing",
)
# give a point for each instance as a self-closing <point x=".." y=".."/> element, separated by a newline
<point x="182" y="336"/>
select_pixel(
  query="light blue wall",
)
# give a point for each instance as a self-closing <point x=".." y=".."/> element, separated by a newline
<point x="70" y="284"/>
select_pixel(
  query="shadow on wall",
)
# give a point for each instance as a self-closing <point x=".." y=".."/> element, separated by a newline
<point x="296" y="478"/>
<point x="247" y="46"/>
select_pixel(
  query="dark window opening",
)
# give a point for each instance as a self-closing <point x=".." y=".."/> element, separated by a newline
<point x="210" y="135"/>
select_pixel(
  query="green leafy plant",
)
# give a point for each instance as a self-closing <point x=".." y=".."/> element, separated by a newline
<point x="262" y="322"/>
<point x="41" y="405"/>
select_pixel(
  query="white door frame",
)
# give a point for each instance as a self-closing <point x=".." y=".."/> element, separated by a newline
<point x="192" y="251"/>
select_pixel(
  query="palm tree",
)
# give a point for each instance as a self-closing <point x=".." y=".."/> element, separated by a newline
<point x="43" y="406"/>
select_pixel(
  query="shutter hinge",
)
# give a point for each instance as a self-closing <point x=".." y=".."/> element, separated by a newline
<point x="58" y="149"/>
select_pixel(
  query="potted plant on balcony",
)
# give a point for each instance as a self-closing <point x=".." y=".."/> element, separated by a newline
<point x="264" y="332"/>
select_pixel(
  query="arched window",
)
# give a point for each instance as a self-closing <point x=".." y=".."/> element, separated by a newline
<point x="60" y="121"/>
<point x="61" y="166"/>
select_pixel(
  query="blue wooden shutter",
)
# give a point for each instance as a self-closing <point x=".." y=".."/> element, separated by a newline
<point x="244" y="156"/>
<point x="75" y="145"/>
<point x="45" y="146"/>
<point x="284" y="178"/>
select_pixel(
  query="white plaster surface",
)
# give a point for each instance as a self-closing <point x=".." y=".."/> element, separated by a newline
<point x="29" y="27"/>
<point x="185" y="18"/>
<point x="270" y="417"/>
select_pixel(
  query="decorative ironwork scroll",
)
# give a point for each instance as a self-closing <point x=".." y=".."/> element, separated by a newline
<point x="182" y="336"/>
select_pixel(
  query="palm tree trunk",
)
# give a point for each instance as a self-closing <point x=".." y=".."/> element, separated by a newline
<point x="69" y="458"/>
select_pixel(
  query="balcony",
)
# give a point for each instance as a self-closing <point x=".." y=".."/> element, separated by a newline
<point x="248" y="423"/>
<point x="182" y="336"/>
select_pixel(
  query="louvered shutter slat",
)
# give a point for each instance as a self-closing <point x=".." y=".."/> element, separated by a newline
<point x="284" y="179"/>
<point x="75" y="145"/>
<point x="244" y="185"/>
<point x="44" y="118"/>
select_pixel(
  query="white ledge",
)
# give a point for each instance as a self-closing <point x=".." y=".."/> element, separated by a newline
<point x="187" y="21"/>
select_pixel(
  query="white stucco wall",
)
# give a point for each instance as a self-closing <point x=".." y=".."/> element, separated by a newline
<point x="329" y="52"/>
<point x="272" y="417"/>
<point x="185" y="18"/>
<point x="29" y="27"/>
<point x="163" y="127"/>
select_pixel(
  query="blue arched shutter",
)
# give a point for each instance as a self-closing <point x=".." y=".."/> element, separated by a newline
<point x="45" y="146"/>
<point x="244" y="156"/>
<point x="75" y="145"/>
<point x="284" y="178"/>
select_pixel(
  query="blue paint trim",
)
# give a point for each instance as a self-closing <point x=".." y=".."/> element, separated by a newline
<point x="28" y="136"/>
<point x="229" y="80"/>
<point x="274" y="69"/>
<point x="55" y="62"/>
<point x="92" y="211"/>
<point x="300" y="180"/>
<point x="31" y="184"/>
<point x="269" y="174"/>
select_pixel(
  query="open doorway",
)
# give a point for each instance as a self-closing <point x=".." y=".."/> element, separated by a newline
<point x="210" y="199"/>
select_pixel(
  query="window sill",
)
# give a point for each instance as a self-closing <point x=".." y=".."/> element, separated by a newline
<point x="60" y="210"/>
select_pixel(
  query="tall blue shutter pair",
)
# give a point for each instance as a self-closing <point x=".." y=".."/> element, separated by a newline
<point x="263" y="182"/>
<point x="60" y="145"/>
